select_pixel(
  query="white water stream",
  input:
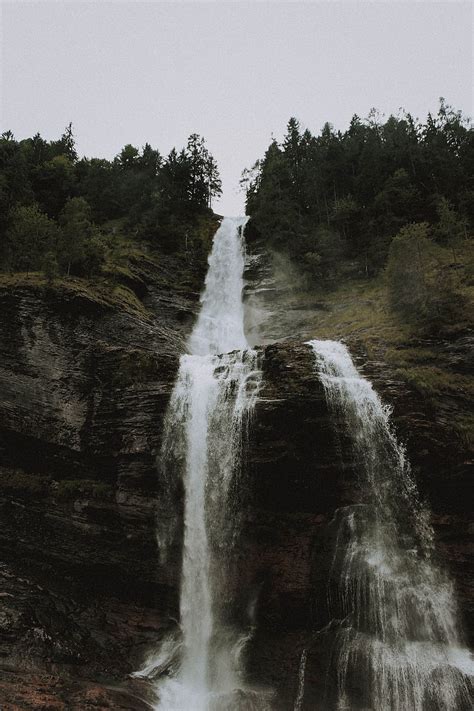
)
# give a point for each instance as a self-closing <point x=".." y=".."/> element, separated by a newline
<point x="399" y="647"/>
<point x="215" y="392"/>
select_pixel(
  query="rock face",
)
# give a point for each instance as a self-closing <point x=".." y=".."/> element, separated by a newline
<point x="83" y="389"/>
<point x="301" y="472"/>
<point x="84" y="386"/>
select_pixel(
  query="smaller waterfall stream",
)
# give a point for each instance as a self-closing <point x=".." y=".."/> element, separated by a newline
<point x="215" y="392"/>
<point x="301" y="674"/>
<point x="398" y="647"/>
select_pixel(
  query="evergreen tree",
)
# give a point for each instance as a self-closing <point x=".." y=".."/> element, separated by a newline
<point x="76" y="232"/>
<point x="213" y="180"/>
<point x="161" y="200"/>
<point x="451" y="228"/>
<point x="363" y="185"/>
<point x="67" y="144"/>
<point x="54" y="183"/>
<point x="421" y="289"/>
<point x="30" y="235"/>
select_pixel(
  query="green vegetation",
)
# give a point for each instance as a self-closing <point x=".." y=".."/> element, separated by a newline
<point x="85" y="218"/>
<point x="425" y="287"/>
<point x="101" y="291"/>
<point x="360" y="312"/>
<point x="360" y="309"/>
<point x="22" y="484"/>
<point x="394" y="197"/>
<point x="72" y="489"/>
<point x="29" y="236"/>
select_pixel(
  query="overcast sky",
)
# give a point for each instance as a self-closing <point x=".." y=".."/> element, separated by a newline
<point x="131" y="72"/>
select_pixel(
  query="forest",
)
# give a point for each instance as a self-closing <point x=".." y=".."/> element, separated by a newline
<point x="65" y="215"/>
<point x="389" y="199"/>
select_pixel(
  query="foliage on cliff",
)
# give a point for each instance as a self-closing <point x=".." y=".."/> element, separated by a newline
<point x="395" y="195"/>
<point x="68" y="216"/>
<point x="438" y="369"/>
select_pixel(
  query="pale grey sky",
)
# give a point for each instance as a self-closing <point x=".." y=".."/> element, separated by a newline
<point x="131" y="72"/>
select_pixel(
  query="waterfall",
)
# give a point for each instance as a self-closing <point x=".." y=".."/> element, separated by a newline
<point x="398" y="647"/>
<point x="214" y="394"/>
<point x="300" y="689"/>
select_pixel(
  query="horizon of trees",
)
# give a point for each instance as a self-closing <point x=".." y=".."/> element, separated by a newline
<point x="55" y="206"/>
<point x="336" y="201"/>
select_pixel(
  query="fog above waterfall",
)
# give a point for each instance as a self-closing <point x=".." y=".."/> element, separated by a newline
<point x="235" y="72"/>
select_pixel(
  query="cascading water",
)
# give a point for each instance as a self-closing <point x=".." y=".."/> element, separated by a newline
<point x="300" y="689"/>
<point x="213" y="397"/>
<point x="398" y="647"/>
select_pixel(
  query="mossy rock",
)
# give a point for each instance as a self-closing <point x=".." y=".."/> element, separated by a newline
<point x="73" y="488"/>
<point x="19" y="483"/>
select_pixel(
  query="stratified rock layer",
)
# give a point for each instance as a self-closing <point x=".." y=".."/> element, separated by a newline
<point x="83" y="389"/>
<point x="301" y="471"/>
<point x="84" y="386"/>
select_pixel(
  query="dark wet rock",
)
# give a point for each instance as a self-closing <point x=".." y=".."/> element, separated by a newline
<point x="301" y="475"/>
<point x="84" y="386"/>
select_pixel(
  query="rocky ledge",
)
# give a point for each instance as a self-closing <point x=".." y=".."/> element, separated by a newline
<point x="84" y="385"/>
<point x="301" y="473"/>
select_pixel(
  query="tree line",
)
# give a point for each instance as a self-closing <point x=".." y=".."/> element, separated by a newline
<point x="355" y="203"/>
<point x="56" y="208"/>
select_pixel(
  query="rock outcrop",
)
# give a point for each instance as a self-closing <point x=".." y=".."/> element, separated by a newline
<point x="301" y="473"/>
<point x="84" y="385"/>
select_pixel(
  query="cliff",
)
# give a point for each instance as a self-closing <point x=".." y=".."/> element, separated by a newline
<point x="84" y="384"/>
<point x="301" y="472"/>
<point x="301" y="467"/>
